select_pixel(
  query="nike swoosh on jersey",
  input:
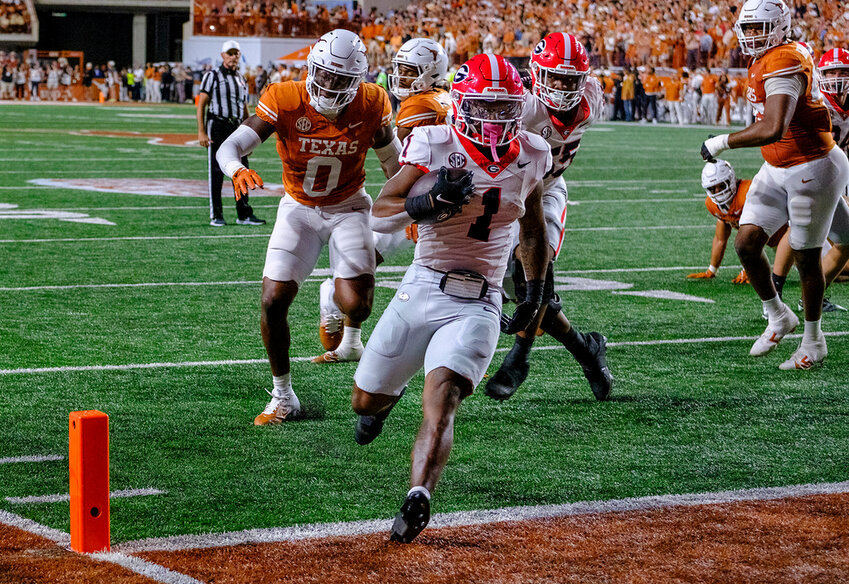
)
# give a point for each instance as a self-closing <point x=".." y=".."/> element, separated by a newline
<point x="523" y="165"/>
<point x="354" y="125"/>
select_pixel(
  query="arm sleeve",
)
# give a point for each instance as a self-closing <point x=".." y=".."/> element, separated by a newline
<point x="794" y="86"/>
<point x="238" y="145"/>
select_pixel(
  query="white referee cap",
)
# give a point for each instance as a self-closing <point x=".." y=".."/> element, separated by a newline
<point x="229" y="46"/>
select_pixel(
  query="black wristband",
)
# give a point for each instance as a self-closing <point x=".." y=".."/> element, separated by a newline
<point x="534" y="291"/>
<point x="419" y="208"/>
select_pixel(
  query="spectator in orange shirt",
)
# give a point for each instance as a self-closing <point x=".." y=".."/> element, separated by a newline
<point x="672" y="88"/>
<point x="723" y="98"/>
<point x="709" y="104"/>
<point x="651" y="85"/>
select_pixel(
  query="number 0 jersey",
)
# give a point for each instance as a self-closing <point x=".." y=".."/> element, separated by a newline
<point x="480" y="237"/>
<point x="809" y="135"/>
<point x="323" y="159"/>
<point x="563" y="139"/>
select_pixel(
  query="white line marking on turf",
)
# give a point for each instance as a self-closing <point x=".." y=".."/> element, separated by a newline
<point x="61" y="497"/>
<point x="58" y="537"/>
<point x="36" y="458"/>
<point x="264" y="361"/>
<point x="480" y="517"/>
<point x="663" y="295"/>
<point x="146" y="568"/>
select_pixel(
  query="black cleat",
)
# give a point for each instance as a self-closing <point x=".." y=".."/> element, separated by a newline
<point x="596" y="371"/>
<point x="411" y="519"/>
<point x="250" y="220"/>
<point x="369" y="427"/>
<point x="512" y="373"/>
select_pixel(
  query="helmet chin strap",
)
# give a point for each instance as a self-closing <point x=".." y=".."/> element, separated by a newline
<point x="492" y="134"/>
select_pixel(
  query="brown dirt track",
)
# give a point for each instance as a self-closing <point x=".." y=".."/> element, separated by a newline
<point x="802" y="540"/>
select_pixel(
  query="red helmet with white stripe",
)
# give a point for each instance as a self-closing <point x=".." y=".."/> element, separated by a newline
<point x="559" y="65"/>
<point x="834" y="72"/>
<point x="487" y="96"/>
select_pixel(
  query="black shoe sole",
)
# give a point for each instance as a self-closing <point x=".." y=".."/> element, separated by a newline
<point x="508" y="378"/>
<point x="411" y="519"/>
<point x="368" y="428"/>
<point x="598" y="375"/>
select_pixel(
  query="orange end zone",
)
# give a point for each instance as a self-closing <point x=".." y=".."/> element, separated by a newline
<point x="88" y="462"/>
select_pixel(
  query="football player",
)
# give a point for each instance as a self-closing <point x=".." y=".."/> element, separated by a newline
<point x="801" y="180"/>
<point x="563" y="102"/>
<point x="419" y="69"/>
<point x="834" y="85"/>
<point x="445" y="315"/>
<point x="324" y="126"/>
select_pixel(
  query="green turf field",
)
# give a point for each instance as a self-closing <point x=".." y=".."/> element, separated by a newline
<point x="685" y="417"/>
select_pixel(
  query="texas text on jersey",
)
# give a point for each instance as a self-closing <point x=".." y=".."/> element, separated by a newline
<point x="809" y="134"/>
<point x="424" y="109"/>
<point x="323" y="159"/>
<point x="480" y="236"/>
<point x="564" y="139"/>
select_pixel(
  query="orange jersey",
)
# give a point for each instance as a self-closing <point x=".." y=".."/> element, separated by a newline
<point x="651" y="84"/>
<point x="323" y="160"/>
<point x="809" y="135"/>
<point x="673" y="89"/>
<point x="735" y="209"/>
<point x="424" y="109"/>
<point x="709" y="84"/>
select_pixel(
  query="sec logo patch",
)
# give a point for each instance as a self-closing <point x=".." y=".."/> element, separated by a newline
<point x="546" y="132"/>
<point x="303" y="125"/>
<point x="457" y="160"/>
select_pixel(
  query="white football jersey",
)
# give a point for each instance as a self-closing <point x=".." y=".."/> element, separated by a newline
<point x="839" y="123"/>
<point x="564" y="140"/>
<point x="480" y="237"/>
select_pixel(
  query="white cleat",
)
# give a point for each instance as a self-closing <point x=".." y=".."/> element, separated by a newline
<point x="330" y="323"/>
<point x="776" y="330"/>
<point x="281" y="408"/>
<point x="807" y="356"/>
<point x="340" y="355"/>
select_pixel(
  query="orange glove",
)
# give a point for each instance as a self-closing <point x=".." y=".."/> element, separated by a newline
<point x="702" y="275"/>
<point x="244" y="180"/>
<point x="742" y="278"/>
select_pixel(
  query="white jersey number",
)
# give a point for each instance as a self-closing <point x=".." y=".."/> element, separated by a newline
<point x="310" y="176"/>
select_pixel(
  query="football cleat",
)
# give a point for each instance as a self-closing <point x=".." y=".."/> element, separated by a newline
<point x="412" y="518"/>
<point x="340" y="356"/>
<point x="331" y="320"/>
<point x="217" y="222"/>
<point x="596" y="371"/>
<point x="251" y="220"/>
<point x="775" y="331"/>
<point x="827" y="306"/>
<point x="512" y="373"/>
<point x="807" y="356"/>
<point x="279" y="409"/>
<point x="369" y="427"/>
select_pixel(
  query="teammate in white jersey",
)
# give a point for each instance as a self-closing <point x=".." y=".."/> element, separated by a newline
<point x="834" y="85"/>
<point x="445" y="315"/>
<point x="564" y="101"/>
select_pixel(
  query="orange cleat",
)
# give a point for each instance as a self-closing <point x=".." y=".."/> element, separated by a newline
<point x="279" y="409"/>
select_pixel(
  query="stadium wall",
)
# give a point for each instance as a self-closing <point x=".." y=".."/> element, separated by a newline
<point x="198" y="50"/>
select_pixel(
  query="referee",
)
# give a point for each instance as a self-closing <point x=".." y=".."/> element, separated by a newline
<point x="225" y="91"/>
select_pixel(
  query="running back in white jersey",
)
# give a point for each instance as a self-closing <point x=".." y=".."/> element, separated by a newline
<point x="480" y="237"/>
<point x="839" y="123"/>
<point x="564" y="140"/>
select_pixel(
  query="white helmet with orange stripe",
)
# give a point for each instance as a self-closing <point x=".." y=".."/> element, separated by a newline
<point x="834" y="73"/>
<point x="417" y="66"/>
<point x="336" y="66"/>
<point x="762" y="25"/>
<point x="719" y="182"/>
<point x="559" y="66"/>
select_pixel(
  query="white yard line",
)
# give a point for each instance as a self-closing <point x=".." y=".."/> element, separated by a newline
<point x="35" y="458"/>
<point x="153" y="571"/>
<point x="480" y="517"/>
<point x="62" y="497"/>
<point x="264" y="361"/>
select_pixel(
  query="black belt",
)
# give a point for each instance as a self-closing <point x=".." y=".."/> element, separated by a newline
<point x="226" y="120"/>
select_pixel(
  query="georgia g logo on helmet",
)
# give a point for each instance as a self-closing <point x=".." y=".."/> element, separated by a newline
<point x="461" y="74"/>
<point x="540" y="47"/>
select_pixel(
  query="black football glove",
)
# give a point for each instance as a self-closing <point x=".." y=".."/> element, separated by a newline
<point x="706" y="155"/>
<point x="444" y="200"/>
<point x="526" y="310"/>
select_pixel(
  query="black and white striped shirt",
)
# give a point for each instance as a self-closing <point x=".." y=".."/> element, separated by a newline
<point x="228" y="92"/>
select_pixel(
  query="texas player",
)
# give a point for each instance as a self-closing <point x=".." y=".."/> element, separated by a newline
<point x="445" y="314"/>
<point x="418" y="69"/>
<point x="834" y="85"/>
<point x="324" y="126"/>
<point x="563" y="102"/>
<point x="802" y="177"/>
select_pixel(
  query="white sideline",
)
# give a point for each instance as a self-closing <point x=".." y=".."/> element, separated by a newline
<point x="60" y="538"/>
<point x="481" y="517"/>
<point x="128" y="366"/>
<point x="36" y="458"/>
<point x="62" y="497"/>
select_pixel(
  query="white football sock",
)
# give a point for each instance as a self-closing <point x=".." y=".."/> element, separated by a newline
<point x="774" y="307"/>
<point x="282" y="385"/>
<point x="813" y="331"/>
<point x="419" y="489"/>
<point x="351" y="337"/>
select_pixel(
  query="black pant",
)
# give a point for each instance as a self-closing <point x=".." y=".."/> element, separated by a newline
<point x="218" y="130"/>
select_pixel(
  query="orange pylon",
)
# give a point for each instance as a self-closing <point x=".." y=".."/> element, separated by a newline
<point x="88" y="461"/>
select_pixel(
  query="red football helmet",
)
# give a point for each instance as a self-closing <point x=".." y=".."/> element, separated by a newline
<point x="559" y="65"/>
<point x="487" y="97"/>
<point x="834" y="72"/>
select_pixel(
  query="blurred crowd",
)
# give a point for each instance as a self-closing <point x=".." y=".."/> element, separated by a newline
<point x="15" y="17"/>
